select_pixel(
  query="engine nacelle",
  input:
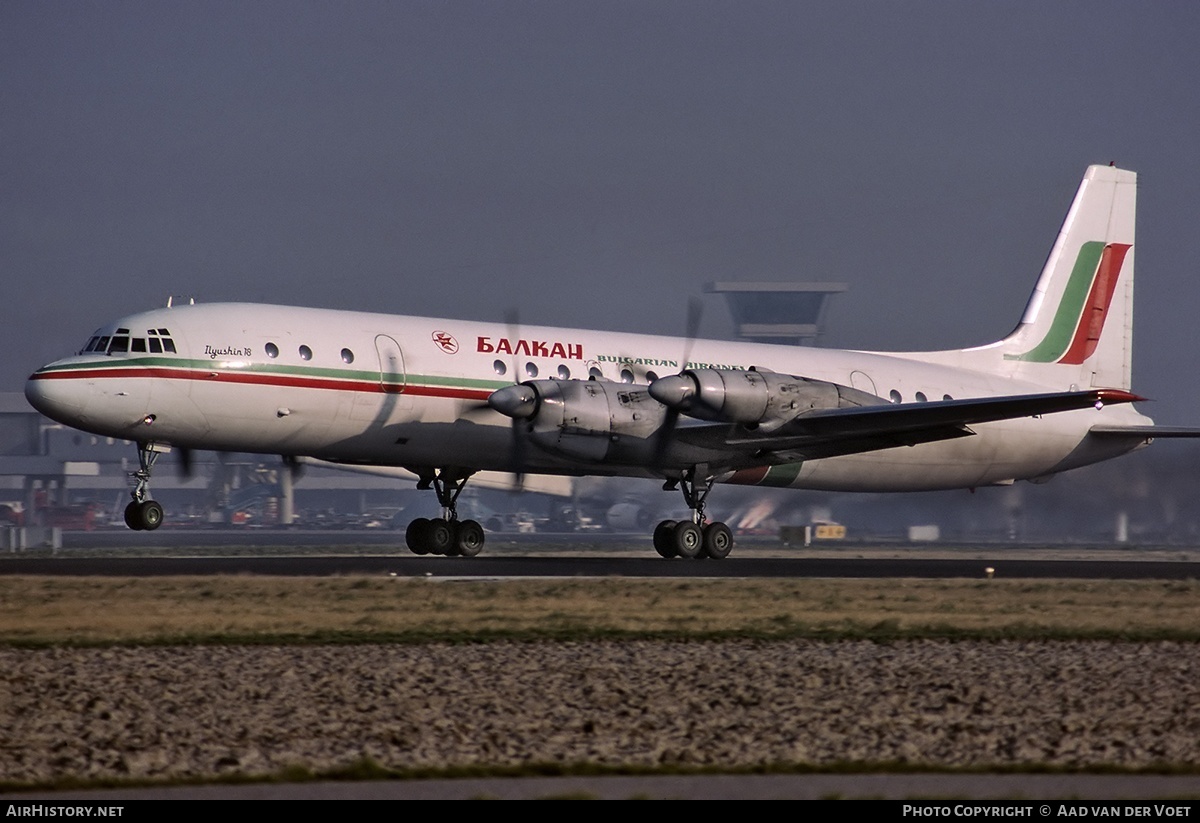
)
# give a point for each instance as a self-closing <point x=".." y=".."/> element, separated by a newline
<point x="763" y="399"/>
<point x="586" y="419"/>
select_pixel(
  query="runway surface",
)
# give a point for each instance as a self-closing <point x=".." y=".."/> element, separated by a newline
<point x="323" y="554"/>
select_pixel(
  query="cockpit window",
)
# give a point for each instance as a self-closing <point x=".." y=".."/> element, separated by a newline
<point x="156" y="342"/>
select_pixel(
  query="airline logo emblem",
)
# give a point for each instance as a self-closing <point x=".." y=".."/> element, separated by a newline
<point x="445" y="342"/>
<point x="1075" y="331"/>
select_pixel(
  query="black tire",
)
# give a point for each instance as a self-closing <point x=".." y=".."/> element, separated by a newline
<point x="414" y="536"/>
<point x="688" y="539"/>
<point x="718" y="541"/>
<point x="133" y="518"/>
<point x="150" y="514"/>
<point x="469" y="540"/>
<point x="664" y="538"/>
<point x="439" y="537"/>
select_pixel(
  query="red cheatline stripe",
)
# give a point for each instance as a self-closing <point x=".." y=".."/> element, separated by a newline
<point x="1095" y="310"/>
<point x="268" y="380"/>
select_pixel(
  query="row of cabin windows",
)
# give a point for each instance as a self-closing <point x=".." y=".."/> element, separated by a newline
<point x="156" y="341"/>
<point x="564" y="373"/>
<point x="306" y="353"/>
<point x="501" y="368"/>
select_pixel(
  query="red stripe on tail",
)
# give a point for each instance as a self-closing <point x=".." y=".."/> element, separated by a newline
<point x="1091" y="323"/>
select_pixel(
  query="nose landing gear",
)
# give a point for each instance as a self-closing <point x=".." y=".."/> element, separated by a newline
<point x="143" y="514"/>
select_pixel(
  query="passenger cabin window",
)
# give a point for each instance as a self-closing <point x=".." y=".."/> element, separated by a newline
<point x="626" y="376"/>
<point x="531" y="369"/>
<point x="594" y="373"/>
<point x="305" y="353"/>
<point x="347" y="356"/>
<point x="564" y="373"/>
<point x="272" y="350"/>
<point x="499" y="367"/>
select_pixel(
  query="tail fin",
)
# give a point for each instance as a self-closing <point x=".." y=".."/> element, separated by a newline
<point x="1078" y="325"/>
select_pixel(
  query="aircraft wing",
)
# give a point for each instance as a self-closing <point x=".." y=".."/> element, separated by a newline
<point x="833" y="432"/>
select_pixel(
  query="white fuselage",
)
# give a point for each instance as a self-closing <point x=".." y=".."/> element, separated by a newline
<point x="407" y="391"/>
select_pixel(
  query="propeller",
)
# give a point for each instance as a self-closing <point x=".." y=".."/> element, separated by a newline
<point x="294" y="465"/>
<point x="517" y="402"/>
<point x="185" y="463"/>
<point x="669" y="390"/>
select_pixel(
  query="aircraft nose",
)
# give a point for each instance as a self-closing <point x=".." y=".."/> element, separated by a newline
<point x="57" y="398"/>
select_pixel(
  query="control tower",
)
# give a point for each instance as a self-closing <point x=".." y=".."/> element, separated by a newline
<point x="777" y="312"/>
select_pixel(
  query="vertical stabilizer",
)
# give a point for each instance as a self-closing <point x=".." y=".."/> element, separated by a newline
<point x="1077" y="328"/>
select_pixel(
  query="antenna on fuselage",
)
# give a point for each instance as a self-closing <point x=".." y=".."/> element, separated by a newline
<point x="191" y="301"/>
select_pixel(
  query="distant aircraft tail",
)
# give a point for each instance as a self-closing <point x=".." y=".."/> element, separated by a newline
<point x="1078" y="325"/>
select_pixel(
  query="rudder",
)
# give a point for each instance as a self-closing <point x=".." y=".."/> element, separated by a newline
<point x="1077" y="328"/>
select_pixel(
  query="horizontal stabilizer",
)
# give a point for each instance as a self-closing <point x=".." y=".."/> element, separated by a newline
<point x="1146" y="431"/>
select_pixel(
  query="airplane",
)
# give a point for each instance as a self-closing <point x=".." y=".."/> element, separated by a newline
<point x="446" y="399"/>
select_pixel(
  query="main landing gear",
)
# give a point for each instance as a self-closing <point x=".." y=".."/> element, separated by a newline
<point x="143" y="514"/>
<point x="446" y="535"/>
<point x="692" y="538"/>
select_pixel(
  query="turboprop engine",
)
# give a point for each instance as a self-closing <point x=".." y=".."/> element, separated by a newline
<point x="589" y="419"/>
<point x="762" y="400"/>
<point x="608" y="422"/>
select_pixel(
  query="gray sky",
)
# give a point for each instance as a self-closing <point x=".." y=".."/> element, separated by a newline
<point x="590" y="163"/>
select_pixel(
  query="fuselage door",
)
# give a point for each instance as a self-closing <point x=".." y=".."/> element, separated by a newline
<point x="863" y="382"/>
<point x="378" y="407"/>
<point x="392" y="376"/>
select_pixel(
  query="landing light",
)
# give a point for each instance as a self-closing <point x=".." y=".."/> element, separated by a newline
<point x="150" y="418"/>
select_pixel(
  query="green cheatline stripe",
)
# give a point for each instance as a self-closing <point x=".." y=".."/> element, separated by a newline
<point x="299" y="372"/>
<point x="1070" y="308"/>
<point x="782" y="476"/>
